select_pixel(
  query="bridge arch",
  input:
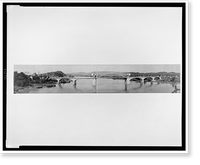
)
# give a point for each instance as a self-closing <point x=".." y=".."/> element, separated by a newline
<point x="148" y="78"/>
<point x="136" y="79"/>
<point x="157" y="78"/>
<point x="59" y="79"/>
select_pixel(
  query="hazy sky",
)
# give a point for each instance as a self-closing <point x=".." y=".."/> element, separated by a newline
<point x="90" y="68"/>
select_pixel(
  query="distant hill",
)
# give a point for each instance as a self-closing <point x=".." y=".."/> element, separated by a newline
<point x="155" y="74"/>
<point x="54" y="74"/>
<point x="105" y="74"/>
<point x="80" y="74"/>
<point x="113" y="73"/>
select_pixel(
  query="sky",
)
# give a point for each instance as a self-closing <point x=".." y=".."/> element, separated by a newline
<point x="91" y="68"/>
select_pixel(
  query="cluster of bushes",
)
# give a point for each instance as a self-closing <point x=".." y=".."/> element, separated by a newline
<point x="47" y="80"/>
<point x="21" y="79"/>
<point x="35" y="78"/>
<point x="173" y="79"/>
<point x="65" y="80"/>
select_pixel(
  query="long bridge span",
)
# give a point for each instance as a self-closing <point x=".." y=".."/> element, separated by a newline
<point x="126" y="77"/>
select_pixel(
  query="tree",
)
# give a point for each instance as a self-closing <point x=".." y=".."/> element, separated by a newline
<point x="21" y="79"/>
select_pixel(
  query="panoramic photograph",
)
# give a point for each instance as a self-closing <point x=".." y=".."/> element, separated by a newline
<point x="96" y="79"/>
<point x="95" y="76"/>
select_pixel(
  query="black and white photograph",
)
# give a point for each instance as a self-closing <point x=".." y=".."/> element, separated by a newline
<point x="99" y="77"/>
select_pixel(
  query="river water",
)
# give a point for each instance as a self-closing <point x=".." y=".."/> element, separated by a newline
<point x="107" y="86"/>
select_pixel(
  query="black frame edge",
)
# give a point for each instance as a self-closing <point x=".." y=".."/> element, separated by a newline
<point x="97" y="148"/>
<point x="184" y="76"/>
<point x="4" y="73"/>
<point x="189" y="76"/>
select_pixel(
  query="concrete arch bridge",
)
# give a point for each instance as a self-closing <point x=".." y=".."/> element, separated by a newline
<point x="73" y="80"/>
<point x="126" y="77"/>
<point x="144" y="78"/>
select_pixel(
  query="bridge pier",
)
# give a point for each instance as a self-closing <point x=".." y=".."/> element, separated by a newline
<point x="125" y="86"/>
<point x="94" y="82"/>
<point x="74" y="81"/>
<point x="142" y="79"/>
<point x="127" y="81"/>
<point x="58" y="81"/>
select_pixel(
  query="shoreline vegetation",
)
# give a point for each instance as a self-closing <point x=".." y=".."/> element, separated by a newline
<point x="24" y="82"/>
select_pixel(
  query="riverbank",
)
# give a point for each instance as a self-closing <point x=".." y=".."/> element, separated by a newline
<point x="26" y="89"/>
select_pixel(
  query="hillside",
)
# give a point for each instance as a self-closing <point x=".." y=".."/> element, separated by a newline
<point x="21" y="79"/>
<point x="54" y="74"/>
<point x="80" y="74"/>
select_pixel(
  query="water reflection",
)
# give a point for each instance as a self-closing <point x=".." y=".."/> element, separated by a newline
<point x="94" y="88"/>
<point x="74" y="85"/>
<point x="60" y="86"/>
<point x="139" y="86"/>
<point x="107" y="86"/>
<point x="151" y="83"/>
<point x="125" y="87"/>
<point x="135" y="88"/>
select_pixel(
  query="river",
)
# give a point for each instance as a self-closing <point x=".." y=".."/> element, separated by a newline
<point x="106" y="86"/>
